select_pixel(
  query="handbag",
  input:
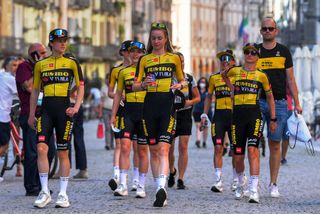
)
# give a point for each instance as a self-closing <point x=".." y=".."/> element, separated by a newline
<point x="100" y="130"/>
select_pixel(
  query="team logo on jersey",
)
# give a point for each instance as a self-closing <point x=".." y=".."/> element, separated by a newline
<point x="278" y="53"/>
<point x="238" y="150"/>
<point x="51" y="65"/>
<point x="156" y="60"/>
<point x="243" y="75"/>
<point x="132" y="73"/>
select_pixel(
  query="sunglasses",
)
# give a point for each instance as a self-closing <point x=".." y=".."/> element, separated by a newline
<point x="270" y="29"/>
<point x="250" y="52"/>
<point x="158" y="25"/>
<point x="138" y="45"/>
<point x="226" y="58"/>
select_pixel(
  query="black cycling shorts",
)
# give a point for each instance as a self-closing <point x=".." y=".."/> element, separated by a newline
<point x="133" y="128"/>
<point x="119" y="121"/>
<point x="221" y="123"/>
<point x="183" y="122"/>
<point x="4" y="133"/>
<point x="159" y="117"/>
<point x="53" y="116"/>
<point x="246" y="127"/>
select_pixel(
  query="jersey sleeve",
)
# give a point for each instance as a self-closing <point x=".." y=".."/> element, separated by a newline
<point x="179" y="72"/>
<point x="289" y="62"/>
<point x="36" y="75"/>
<point x="113" y="77"/>
<point x="77" y="72"/>
<point x="211" y="85"/>
<point x="265" y="83"/>
<point x="120" y="83"/>
<point x="140" y="69"/>
<point x="232" y="72"/>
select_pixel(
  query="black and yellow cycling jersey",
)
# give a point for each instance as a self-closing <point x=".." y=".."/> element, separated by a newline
<point x="56" y="75"/>
<point x="221" y="91"/>
<point x="125" y="82"/>
<point x="114" y="73"/>
<point x="247" y="85"/>
<point x="274" y="63"/>
<point x="165" y="68"/>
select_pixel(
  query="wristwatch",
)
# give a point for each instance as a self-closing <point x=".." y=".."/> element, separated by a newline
<point x="273" y="119"/>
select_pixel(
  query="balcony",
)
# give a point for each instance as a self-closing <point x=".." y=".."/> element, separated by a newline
<point x="12" y="46"/>
<point x="107" y="6"/>
<point x="78" y="4"/>
<point x="138" y="18"/>
<point x="83" y="52"/>
<point x="39" y="4"/>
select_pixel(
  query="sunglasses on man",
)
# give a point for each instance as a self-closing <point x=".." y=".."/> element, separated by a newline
<point x="270" y="29"/>
<point x="250" y="52"/>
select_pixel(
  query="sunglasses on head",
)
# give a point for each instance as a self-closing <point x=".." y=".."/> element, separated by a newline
<point x="251" y="52"/>
<point x="270" y="29"/>
<point x="158" y="25"/>
<point x="226" y="58"/>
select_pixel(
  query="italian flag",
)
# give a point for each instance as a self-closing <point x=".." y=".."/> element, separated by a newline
<point x="244" y="31"/>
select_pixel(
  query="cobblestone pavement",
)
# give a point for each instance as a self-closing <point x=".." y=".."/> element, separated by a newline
<point x="299" y="184"/>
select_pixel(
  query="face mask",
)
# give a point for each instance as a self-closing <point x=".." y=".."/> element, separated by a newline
<point x="202" y="85"/>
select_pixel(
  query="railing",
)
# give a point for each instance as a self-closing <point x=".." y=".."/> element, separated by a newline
<point x="79" y="4"/>
<point x="39" y="4"/>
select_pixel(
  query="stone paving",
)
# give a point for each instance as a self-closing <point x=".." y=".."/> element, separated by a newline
<point x="299" y="185"/>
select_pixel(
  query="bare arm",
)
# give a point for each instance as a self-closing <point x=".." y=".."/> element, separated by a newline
<point x="293" y="89"/>
<point x="27" y="85"/>
<point x="270" y="100"/>
<point x="111" y="92"/>
<point x="115" y="107"/>
<point x="195" y="97"/>
<point x="33" y="104"/>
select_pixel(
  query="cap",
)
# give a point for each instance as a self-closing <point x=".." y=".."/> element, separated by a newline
<point x="58" y="33"/>
<point x="253" y="46"/>
<point x="125" y="46"/>
<point x="137" y="45"/>
<point x="227" y="52"/>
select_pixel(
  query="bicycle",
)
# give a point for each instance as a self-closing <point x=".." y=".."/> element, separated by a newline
<point x="6" y="165"/>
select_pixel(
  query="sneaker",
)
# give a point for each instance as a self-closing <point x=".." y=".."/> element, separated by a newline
<point x="135" y="185"/>
<point x="239" y="192"/>
<point x="204" y="145"/>
<point x="82" y="174"/>
<point x="198" y="144"/>
<point x="141" y="193"/>
<point x="171" y="180"/>
<point x="161" y="198"/>
<point x="254" y="197"/>
<point x="274" y="192"/>
<point x="180" y="184"/>
<point x="284" y="161"/>
<point x="234" y="184"/>
<point x="42" y="200"/>
<point x="113" y="184"/>
<point x="217" y="187"/>
<point x="62" y="201"/>
<point x="121" y="191"/>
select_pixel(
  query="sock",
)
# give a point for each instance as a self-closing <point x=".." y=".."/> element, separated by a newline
<point x="44" y="182"/>
<point x="162" y="181"/>
<point x="142" y="179"/>
<point x="240" y="177"/>
<point x="63" y="185"/>
<point x="254" y="182"/>
<point x="156" y="181"/>
<point x="116" y="172"/>
<point x="235" y="176"/>
<point x="123" y="177"/>
<point x="218" y="172"/>
<point x="136" y="173"/>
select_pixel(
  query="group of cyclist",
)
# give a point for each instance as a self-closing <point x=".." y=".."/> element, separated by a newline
<point x="152" y="104"/>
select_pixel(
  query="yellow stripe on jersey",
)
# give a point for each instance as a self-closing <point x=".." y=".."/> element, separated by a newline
<point x="114" y="75"/>
<point x="221" y="90"/>
<point x="271" y="63"/>
<point x="125" y="82"/>
<point x="247" y="85"/>
<point x="56" y="75"/>
<point x="164" y="67"/>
